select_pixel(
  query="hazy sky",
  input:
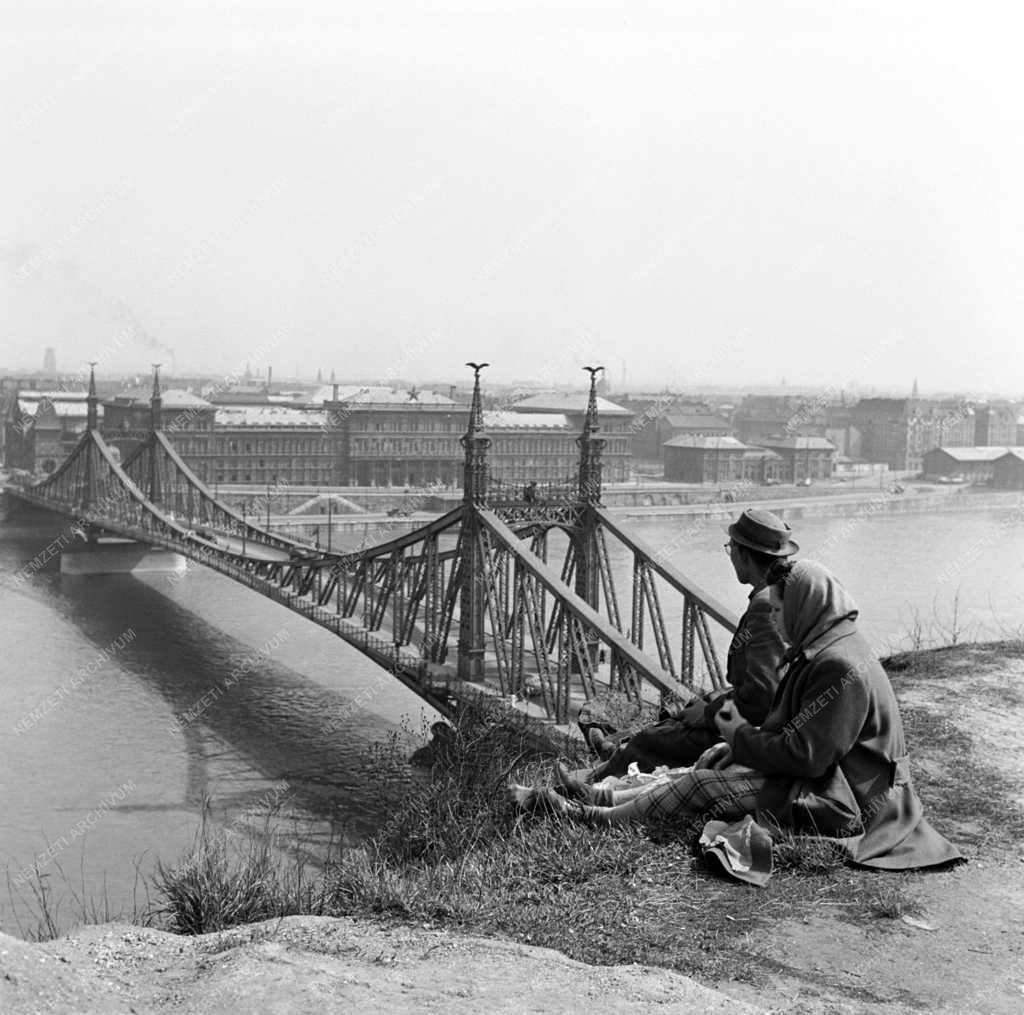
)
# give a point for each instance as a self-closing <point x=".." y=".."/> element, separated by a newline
<point x="709" y="192"/>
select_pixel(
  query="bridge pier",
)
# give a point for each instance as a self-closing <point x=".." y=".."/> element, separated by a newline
<point x="119" y="556"/>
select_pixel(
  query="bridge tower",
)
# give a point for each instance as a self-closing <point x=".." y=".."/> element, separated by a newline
<point x="156" y="405"/>
<point x="472" y="602"/>
<point x="588" y="574"/>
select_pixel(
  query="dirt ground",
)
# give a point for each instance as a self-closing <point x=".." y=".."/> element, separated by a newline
<point x="954" y="942"/>
<point x="316" y="964"/>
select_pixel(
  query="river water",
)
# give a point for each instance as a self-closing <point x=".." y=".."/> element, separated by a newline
<point x="130" y="701"/>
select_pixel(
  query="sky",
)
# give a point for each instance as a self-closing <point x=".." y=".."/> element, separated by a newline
<point x="693" y="193"/>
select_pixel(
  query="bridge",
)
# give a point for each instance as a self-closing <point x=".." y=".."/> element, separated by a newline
<point x="511" y="594"/>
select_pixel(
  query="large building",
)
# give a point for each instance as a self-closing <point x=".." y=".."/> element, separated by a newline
<point x="616" y="427"/>
<point x="385" y="437"/>
<point x="705" y="460"/>
<point x="335" y="436"/>
<point x="1008" y="470"/>
<point x="41" y="428"/>
<point x="803" y="458"/>
<point x="186" y="419"/>
<point x="898" y="431"/>
<point x="975" y="465"/>
<point x="995" y="424"/>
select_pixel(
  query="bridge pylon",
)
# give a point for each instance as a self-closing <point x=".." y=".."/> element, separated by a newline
<point x="587" y="583"/>
<point x="473" y="591"/>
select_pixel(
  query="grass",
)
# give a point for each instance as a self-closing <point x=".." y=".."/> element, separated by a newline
<point x="453" y="852"/>
<point x="225" y="880"/>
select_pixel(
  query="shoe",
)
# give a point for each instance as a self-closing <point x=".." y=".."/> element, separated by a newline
<point x="602" y="744"/>
<point x="567" y="785"/>
<point x="591" y="730"/>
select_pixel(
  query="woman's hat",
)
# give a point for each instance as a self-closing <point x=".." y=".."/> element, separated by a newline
<point x="763" y="531"/>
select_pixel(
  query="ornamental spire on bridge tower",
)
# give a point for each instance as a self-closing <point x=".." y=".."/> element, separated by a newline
<point x="156" y="405"/>
<point x="92" y="401"/>
<point x="476" y="443"/>
<point x="591" y="446"/>
<point x="156" y="402"/>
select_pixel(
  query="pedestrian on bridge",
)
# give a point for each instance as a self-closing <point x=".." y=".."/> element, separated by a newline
<point x="760" y="546"/>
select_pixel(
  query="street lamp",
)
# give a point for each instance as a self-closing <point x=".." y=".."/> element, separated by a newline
<point x="329" y="523"/>
<point x="245" y="525"/>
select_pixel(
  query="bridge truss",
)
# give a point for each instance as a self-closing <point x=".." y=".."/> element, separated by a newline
<point x="537" y="596"/>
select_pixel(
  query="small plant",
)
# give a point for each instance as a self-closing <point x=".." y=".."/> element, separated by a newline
<point x="223" y="882"/>
<point x="890" y="902"/>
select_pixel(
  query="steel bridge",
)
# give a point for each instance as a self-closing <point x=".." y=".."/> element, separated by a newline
<point x="512" y="594"/>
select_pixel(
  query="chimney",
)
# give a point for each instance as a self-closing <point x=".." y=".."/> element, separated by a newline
<point x="335" y="396"/>
<point x="270" y="375"/>
<point x="451" y="392"/>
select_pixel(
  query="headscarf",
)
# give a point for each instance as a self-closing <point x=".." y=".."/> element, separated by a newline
<point x="813" y="602"/>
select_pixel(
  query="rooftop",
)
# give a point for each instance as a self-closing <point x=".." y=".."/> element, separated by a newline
<point x="270" y="415"/>
<point x="379" y="395"/>
<point x="572" y="401"/>
<point x="977" y="454"/>
<point x="696" y="419"/>
<point x="505" y="419"/>
<point x="719" y="443"/>
<point x="172" y="398"/>
<point x="798" y="443"/>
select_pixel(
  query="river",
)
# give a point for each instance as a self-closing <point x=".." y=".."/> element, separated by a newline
<point x="128" y="701"/>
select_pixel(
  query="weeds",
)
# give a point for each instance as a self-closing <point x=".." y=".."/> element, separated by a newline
<point x="890" y="902"/>
<point x="223" y="882"/>
<point x="55" y="900"/>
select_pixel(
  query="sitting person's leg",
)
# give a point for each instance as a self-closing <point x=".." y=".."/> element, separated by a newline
<point x="724" y="794"/>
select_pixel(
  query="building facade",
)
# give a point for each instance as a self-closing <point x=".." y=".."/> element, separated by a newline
<point x="803" y="458"/>
<point x="1008" y="470"/>
<point x="975" y="465"/>
<point x="705" y="460"/>
<point x="616" y="425"/>
<point x="41" y="428"/>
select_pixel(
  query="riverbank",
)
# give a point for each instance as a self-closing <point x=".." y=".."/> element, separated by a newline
<point x="672" y="504"/>
<point x="431" y="925"/>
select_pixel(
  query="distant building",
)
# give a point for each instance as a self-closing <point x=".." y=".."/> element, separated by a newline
<point x="616" y="427"/>
<point x="531" y="447"/>
<point x="385" y="437"/>
<point x="704" y="460"/>
<point x="762" y="466"/>
<point x="1008" y="470"/>
<point x="995" y="424"/>
<point x="803" y="458"/>
<point x="974" y="464"/>
<point x="688" y="424"/>
<point x="268" y="444"/>
<point x="186" y="419"/>
<point x="41" y="428"/>
<point x="898" y="431"/>
<point x="770" y="416"/>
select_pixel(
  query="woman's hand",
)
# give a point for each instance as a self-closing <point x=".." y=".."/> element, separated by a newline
<point x="716" y="756"/>
<point x="728" y="721"/>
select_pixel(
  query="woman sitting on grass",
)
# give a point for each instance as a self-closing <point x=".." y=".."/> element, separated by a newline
<point x="829" y="758"/>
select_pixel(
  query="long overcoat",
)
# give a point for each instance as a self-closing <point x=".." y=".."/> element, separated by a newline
<point x="833" y="750"/>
